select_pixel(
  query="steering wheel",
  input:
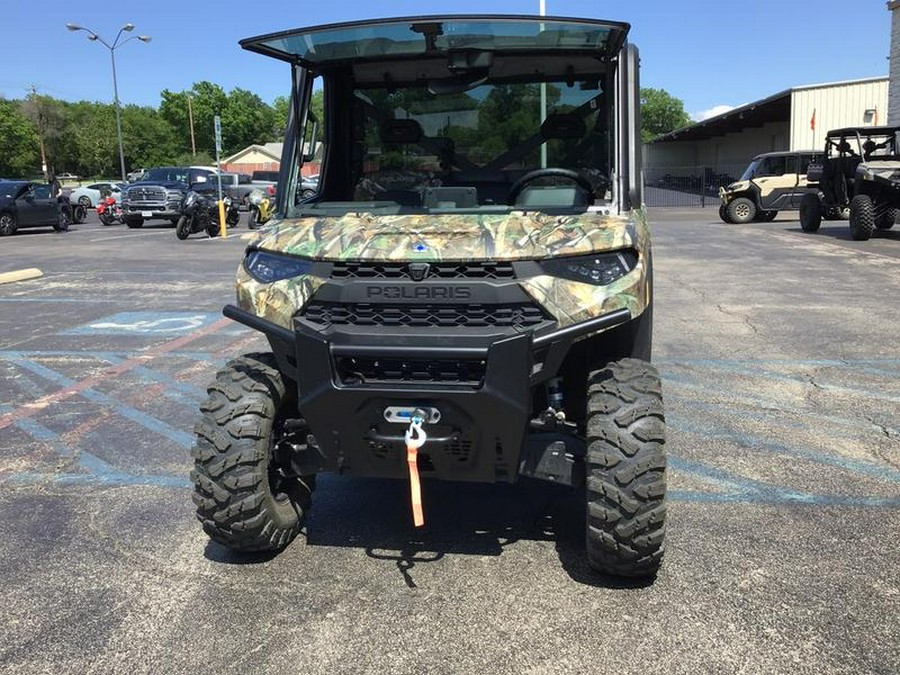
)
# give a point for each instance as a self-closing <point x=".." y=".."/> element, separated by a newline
<point x="537" y="174"/>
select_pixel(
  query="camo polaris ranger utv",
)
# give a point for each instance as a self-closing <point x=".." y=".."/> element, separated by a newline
<point x="468" y="297"/>
<point x="860" y="170"/>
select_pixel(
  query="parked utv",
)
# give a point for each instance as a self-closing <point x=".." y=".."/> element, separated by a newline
<point x="773" y="182"/>
<point x="467" y="297"/>
<point x="860" y="170"/>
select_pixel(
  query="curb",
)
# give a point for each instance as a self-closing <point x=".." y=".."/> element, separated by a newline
<point x="20" y="275"/>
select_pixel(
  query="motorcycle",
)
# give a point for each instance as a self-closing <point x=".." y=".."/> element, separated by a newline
<point x="200" y="212"/>
<point x="260" y="209"/>
<point x="109" y="210"/>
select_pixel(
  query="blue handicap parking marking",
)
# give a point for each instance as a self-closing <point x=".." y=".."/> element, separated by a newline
<point x="146" y="323"/>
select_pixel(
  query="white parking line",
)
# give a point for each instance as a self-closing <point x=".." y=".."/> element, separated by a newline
<point x="136" y="234"/>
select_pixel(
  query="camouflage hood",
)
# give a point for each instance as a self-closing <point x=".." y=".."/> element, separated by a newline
<point x="462" y="237"/>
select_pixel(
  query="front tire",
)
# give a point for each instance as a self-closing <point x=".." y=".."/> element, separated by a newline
<point x="723" y="214"/>
<point x="626" y="464"/>
<point x="243" y="500"/>
<point x="810" y="212"/>
<point x="134" y="223"/>
<point x="862" y="217"/>
<point x="887" y="221"/>
<point x="183" y="228"/>
<point x="85" y="201"/>
<point x="8" y="225"/>
<point x="741" y="210"/>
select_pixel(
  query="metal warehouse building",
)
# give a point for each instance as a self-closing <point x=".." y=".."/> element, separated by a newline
<point x="689" y="164"/>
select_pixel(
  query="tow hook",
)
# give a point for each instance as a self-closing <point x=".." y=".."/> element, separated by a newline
<point x="415" y="437"/>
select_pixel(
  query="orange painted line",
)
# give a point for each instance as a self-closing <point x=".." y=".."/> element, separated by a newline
<point x="28" y="409"/>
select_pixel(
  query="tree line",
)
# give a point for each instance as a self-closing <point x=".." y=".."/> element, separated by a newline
<point x="80" y="137"/>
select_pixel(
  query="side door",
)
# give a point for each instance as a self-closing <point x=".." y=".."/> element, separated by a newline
<point x="47" y="206"/>
<point x="775" y="184"/>
<point x="27" y="209"/>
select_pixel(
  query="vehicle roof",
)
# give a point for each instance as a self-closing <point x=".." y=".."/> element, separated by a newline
<point x="432" y="36"/>
<point x="863" y="131"/>
<point x="778" y="153"/>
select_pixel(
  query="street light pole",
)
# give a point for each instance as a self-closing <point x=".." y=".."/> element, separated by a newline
<point x="93" y="37"/>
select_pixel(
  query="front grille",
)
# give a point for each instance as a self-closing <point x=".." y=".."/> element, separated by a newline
<point x="359" y="371"/>
<point x="518" y="316"/>
<point x="421" y="271"/>
<point x="147" y="195"/>
<point x="458" y="449"/>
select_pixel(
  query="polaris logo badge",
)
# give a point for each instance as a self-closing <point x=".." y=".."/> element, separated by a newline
<point x="418" y="271"/>
<point x="419" y="292"/>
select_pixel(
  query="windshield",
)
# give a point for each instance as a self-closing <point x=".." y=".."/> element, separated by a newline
<point x="750" y="171"/>
<point x="421" y="149"/>
<point x="170" y="173"/>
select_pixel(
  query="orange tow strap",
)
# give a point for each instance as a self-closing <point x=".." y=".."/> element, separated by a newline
<point x="413" y="443"/>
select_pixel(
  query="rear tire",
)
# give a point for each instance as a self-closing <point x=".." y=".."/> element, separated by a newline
<point x="626" y="464"/>
<point x="243" y="501"/>
<point x="62" y="221"/>
<point x="862" y="217"/>
<point x="741" y="210"/>
<point x="810" y="212"/>
<point x="887" y="221"/>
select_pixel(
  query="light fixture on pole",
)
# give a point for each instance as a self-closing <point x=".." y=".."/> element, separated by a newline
<point x="93" y="37"/>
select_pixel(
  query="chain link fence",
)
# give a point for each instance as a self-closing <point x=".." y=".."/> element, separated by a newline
<point x="688" y="186"/>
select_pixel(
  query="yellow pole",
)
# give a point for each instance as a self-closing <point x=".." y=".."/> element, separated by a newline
<point x="222" y="228"/>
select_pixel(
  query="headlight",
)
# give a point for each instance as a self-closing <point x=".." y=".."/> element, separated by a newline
<point x="191" y="198"/>
<point x="599" y="269"/>
<point x="227" y="201"/>
<point x="256" y="197"/>
<point x="173" y="194"/>
<point x="268" y="267"/>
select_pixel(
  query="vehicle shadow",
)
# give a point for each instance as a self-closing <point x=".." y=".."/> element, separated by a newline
<point x="840" y="229"/>
<point x="460" y="519"/>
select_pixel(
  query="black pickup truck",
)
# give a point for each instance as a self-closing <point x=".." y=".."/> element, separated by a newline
<point x="27" y="204"/>
<point x="159" y="193"/>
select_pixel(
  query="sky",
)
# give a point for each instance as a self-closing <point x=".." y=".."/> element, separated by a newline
<point x="712" y="55"/>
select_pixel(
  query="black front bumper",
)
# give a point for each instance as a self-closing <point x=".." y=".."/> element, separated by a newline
<point x="484" y="414"/>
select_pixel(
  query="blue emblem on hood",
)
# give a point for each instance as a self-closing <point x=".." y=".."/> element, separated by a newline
<point x="420" y="247"/>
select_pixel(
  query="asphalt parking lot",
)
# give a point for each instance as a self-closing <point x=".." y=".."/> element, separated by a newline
<point x="781" y="370"/>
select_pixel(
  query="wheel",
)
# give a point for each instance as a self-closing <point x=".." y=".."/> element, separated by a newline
<point x="887" y="221"/>
<point x="183" y="228"/>
<point x="626" y="464"/>
<point x="62" y="221"/>
<point x="213" y="229"/>
<point x="741" y="210"/>
<point x="106" y="219"/>
<point x="810" y="212"/>
<point x="78" y="214"/>
<point x="134" y="222"/>
<point x="7" y="224"/>
<point x="307" y="193"/>
<point x="723" y="214"/>
<point x="862" y="217"/>
<point x="251" y="218"/>
<point x="244" y="499"/>
<point x="765" y="216"/>
<point x="85" y="201"/>
<point x="835" y="213"/>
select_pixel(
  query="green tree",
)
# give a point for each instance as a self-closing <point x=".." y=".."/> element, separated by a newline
<point x="207" y="100"/>
<point x="282" y="105"/>
<point x="148" y="138"/>
<point x="20" y="156"/>
<point x="49" y="119"/>
<point x="246" y="119"/>
<point x="661" y="113"/>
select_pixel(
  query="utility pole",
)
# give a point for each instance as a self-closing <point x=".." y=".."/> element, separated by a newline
<point x="543" y="10"/>
<point x="40" y="124"/>
<point x="191" y="118"/>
